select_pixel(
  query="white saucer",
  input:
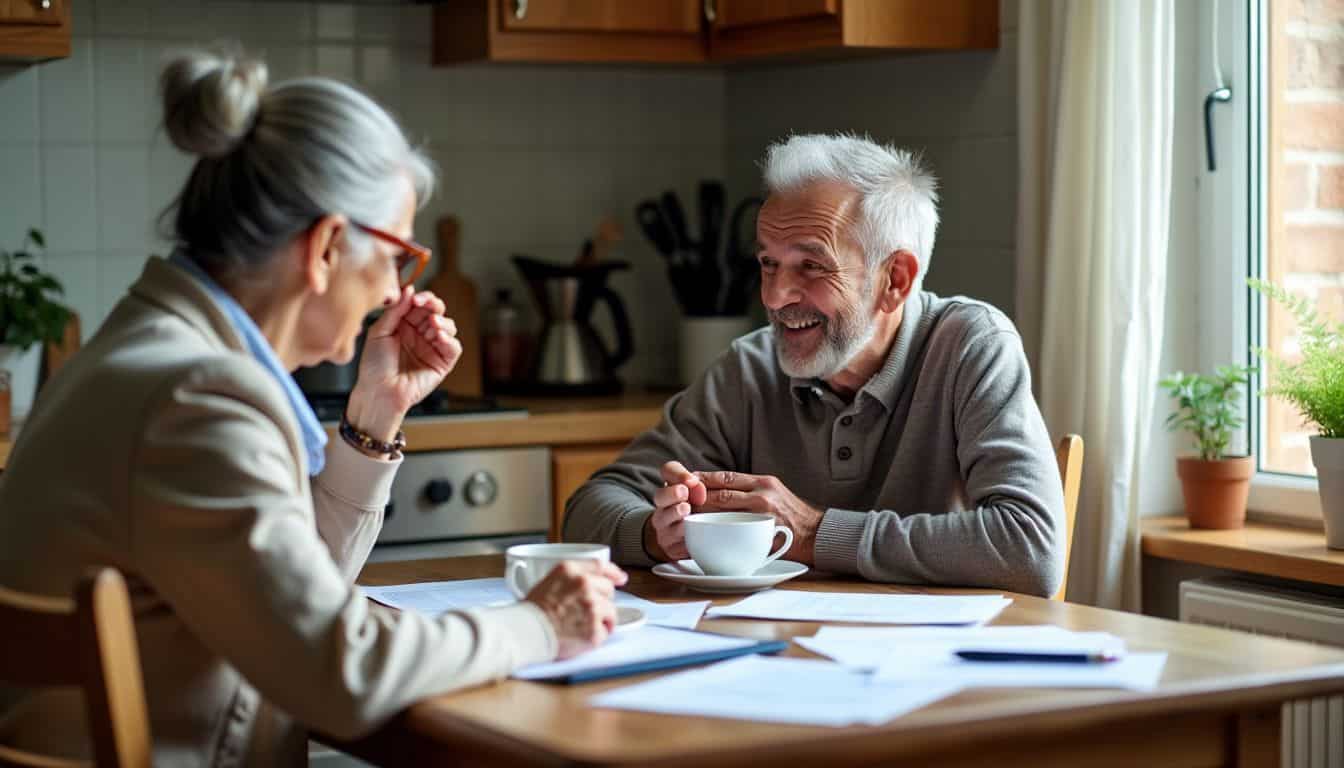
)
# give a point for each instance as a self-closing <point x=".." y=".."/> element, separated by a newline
<point x="629" y="617"/>
<point x="688" y="573"/>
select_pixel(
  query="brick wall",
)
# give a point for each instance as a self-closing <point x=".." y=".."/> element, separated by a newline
<point x="1306" y="228"/>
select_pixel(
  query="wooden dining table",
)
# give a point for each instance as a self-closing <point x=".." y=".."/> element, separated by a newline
<point x="1218" y="702"/>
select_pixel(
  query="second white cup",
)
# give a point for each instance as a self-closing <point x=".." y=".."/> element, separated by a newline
<point x="733" y="543"/>
<point x="525" y="565"/>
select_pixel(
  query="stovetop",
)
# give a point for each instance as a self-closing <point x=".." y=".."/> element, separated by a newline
<point x="438" y="404"/>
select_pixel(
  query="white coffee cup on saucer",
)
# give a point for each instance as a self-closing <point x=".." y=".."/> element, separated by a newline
<point x="733" y="543"/>
<point x="525" y="565"/>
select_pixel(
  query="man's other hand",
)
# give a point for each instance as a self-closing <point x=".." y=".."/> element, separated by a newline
<point x="740" y="492"/>
<point x="665" y="534"/>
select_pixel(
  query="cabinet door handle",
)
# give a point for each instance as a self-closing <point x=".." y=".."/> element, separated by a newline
<point x="711" y="11"/>
<point x="520" y="9"/>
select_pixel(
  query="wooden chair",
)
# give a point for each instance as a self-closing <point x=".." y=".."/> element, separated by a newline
<point x="90" y="643"/>
<point x="1069" y="454"/>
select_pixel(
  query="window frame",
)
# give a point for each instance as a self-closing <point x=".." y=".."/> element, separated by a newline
<point x="1233" y="237"/>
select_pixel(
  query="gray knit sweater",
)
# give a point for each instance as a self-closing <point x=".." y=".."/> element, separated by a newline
<point x="940" y="471"/>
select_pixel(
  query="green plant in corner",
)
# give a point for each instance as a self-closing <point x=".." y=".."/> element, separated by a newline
<point x="1206" y="406"/>
<point x="29" y="310"/>
<point x="1314" y="384"/>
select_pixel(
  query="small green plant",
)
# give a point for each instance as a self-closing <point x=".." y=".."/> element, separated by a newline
<point x="1206" y="406"/>
<point x="29" y="311"/>
<point x="1315" y="384"/>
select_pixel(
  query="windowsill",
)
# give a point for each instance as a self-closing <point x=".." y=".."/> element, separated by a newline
<point x="1265" y="548"/>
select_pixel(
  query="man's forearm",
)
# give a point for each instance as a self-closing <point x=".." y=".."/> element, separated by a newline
<point x="1002" y="545"/>
<point x="607" y="512"/>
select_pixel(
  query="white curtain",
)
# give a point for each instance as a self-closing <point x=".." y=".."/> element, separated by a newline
<point x="1095" y="88"/>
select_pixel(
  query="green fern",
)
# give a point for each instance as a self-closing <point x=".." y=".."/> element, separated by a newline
<point x="1206" y="406"/>
<point x="1315" y="385"/>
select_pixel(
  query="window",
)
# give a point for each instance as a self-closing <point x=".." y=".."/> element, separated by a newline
<point x="1303" y="97"/>
<point x="1273" y="209"/>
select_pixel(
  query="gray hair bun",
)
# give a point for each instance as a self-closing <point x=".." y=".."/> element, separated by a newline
<point x="211" y="100"/>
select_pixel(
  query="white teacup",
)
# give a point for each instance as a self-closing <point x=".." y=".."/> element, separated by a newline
<point x="525" y="565"/>
<point x="733" y="543"/>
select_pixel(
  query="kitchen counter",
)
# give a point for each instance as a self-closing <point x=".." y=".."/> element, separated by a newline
<point x="553" y="421"/>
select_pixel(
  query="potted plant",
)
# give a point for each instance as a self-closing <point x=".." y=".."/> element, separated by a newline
<point x="1215" y="486"/>
<point x="1315" y="386"/>
<point x="30" y="315"/>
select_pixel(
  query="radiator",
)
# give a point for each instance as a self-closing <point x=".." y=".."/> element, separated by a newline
<point x="1313" y="729"/>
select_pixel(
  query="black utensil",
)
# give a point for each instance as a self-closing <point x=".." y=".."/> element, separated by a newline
<point x="741" y="256"/>
<point x="654" y="225"/>
<point x="710" y="202"/>
<point x="675" y="216"/>
<point x="656" y="228"/>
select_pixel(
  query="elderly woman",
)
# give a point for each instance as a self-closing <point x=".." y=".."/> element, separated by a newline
<point x="177" y="448"/>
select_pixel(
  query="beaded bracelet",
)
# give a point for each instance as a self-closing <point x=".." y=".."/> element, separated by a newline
<point x="360" y="440"/>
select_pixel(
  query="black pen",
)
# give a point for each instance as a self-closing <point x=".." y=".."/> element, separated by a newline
<point x="1039" y="656"/>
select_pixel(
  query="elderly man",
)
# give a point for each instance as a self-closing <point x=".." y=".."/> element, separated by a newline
<point x="892" y="430"/>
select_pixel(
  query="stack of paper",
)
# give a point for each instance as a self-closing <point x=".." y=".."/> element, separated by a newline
<point x="912" y="655"/>
<point x="436" y="597"/>
<point x="777" y="690"/>
<point x="864" y="607"/>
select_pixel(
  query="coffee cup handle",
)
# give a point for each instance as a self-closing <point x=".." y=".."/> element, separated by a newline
<point x="511" y="578"/>
<point x="788" y="542"/>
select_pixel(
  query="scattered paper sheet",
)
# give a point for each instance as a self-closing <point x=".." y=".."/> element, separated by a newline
<point x="778" y="690"/>
<point x="436" y="597"/>
<point x="861" y="607"/>
<point x="637" y="645"/>
<point x="871" y="647"/>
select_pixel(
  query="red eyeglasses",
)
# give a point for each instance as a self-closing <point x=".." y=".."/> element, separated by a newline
<point x="412" y="260"/>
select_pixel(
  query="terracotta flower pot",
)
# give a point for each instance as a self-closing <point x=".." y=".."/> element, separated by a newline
<point x="1215" y="491"/>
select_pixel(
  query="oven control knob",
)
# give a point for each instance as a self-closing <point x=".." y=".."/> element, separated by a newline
<point x="439" y="491"/>
<point x="481" y="489"/>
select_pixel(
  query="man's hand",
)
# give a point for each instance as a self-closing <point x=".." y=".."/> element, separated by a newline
<point x="665" y="535"/>
<point x="740" y="492"/>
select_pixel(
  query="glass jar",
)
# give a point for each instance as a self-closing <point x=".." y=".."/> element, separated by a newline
<point x="504" y="341"/>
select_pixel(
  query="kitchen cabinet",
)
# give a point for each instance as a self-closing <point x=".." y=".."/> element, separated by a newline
<point x="658" y="31"/>
<point x="688" y="31"/>
<point x="33" y="30"/>
<point x="570" y="468"/>
<point x="749" y="29"/>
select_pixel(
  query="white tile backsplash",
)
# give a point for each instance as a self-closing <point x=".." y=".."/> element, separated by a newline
<point x="18" y="105"/>
<point x="20" y="193"/>
<point x="121" y="92"/>
<point x="123" y="208"/>
<point x="126" y="18"/>
<point x="67" y="96"/>
<point x="70" y="218"/>
<point x="530" y="156"/>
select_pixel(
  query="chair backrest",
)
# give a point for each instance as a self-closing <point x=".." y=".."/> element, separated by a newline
<point x="1069" y="454"/>
<point x="90" y="643"/>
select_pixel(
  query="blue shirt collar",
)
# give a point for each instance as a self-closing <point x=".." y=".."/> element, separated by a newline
<point x="314" y="437"/>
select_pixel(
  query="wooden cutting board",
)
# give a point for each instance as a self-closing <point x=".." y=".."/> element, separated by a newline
<point x="459" y="294"/>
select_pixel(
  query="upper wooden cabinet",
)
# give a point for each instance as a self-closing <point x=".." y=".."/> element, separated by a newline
<point x="663" y="31"/>
<point x="745" y="29"/>
<point x="34" y="29"/>
<point x="680" y="31"/>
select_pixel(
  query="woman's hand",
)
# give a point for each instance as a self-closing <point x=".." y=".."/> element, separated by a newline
<point x="407" y="352"/>
<point x="576" y="597"/>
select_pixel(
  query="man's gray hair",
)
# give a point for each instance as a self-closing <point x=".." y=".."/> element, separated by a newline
<point x="274" y="160"/>
<point x="898" y="195"/>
